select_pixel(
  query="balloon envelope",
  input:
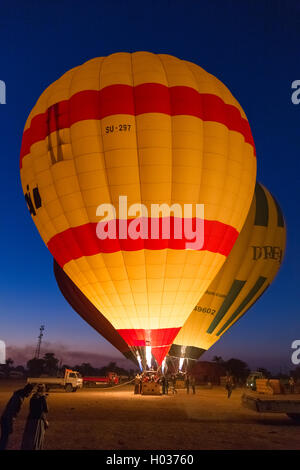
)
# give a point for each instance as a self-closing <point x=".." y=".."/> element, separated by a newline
<point x="89" y="313"/>
<point x="248" y="271"/>
<point x="155" y="130"/>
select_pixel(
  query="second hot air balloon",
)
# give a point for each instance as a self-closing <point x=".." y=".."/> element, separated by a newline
<point x="247" y="273"/>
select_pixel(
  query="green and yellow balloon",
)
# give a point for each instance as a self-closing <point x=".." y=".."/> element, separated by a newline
<point x="246" y="274"/>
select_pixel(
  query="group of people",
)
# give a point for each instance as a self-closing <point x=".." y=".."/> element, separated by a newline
<point x="165" y="382"/>
<point x="190" y="381"/>
<point x="143" y="378"/>
<point x="36" y="423"/>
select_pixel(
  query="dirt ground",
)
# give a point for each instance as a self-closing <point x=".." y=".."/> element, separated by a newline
<point x="118" y="419"/>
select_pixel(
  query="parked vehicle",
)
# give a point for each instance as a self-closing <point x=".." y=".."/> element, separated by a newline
<point x="109" y="380"/>
<point x="15" y="374"/>
<point x="71" y="381"/>
<point x="251" y="379"/>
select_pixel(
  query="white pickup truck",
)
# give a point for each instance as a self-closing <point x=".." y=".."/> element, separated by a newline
<point x="71" y="382"/>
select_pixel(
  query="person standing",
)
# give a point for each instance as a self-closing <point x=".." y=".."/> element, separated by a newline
<point x="137" y="384"/>
<point x="10" y="413"/>
<point x="193" y="384"/>
<point x="229" y="385"/>
<point x="36" y="424"/>
<point x="163" y="384"/>
<point x="292" y="384"/>
<point x="140" y="384"/>
<point x="174" y="391"/>
<point x="187" y="383"/>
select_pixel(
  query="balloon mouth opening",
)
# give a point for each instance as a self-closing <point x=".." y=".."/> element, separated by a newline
<point x="145" y="358"/>
<point x="150" y="359"/>
<point x="168" y="365"/>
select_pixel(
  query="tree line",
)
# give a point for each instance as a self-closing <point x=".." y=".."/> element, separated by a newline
<point x="51" y="366"/>
<point x="240" y="369"/>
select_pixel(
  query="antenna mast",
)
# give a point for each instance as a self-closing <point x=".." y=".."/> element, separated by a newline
<point x="38" y="346"/>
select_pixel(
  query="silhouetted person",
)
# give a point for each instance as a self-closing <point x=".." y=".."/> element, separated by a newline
<point x="174" y="391"/>
<point x="140" y="384"/>
<point x="10" y="413"/>
<point x="137" y="386"/>
<point x="187" y="384"/>
<point x="229" y="385"/>
<point x="29" y="202"/>
<point x="167" y="386"/>
<point x="163" y="384"/>
<point x="292" y="384"/>
<point x="193" y="384"/>
<point x="36" y="424"/>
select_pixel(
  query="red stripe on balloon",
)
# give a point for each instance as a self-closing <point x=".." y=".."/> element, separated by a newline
<point x="156" y="338"/>
<point x="125" y="99"/>
<point x="160" y="353"/>
<point x="159" y="339"/>
<point x="80" y="241"/>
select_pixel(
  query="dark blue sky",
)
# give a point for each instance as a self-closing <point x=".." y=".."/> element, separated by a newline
<point x="251" y="45"/>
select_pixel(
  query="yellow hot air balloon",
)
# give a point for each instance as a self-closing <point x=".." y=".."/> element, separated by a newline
<point x="149" y="130"/>
<point x="248" y="271"/>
